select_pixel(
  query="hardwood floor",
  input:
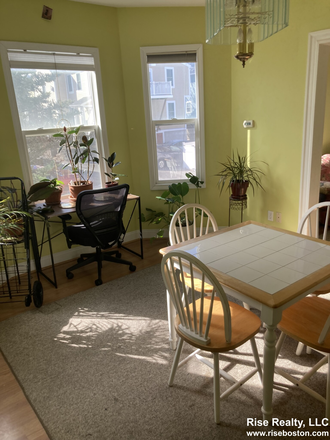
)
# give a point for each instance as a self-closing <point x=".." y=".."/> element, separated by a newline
<point x="17" y="418"/>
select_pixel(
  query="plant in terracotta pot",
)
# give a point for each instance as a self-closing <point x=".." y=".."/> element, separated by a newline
<point x="236" y="174"/>
<point x="54" y="198"/>
<point x="82" y="159"/>
<point x="113" y="177"/>
<point x="49" y="190"/>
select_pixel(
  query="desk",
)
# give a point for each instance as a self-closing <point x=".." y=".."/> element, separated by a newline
<point x="59" y="212"/>
<point x="268" y="268"/>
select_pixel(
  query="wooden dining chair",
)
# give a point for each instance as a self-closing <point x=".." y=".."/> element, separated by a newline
<point x="207" y="321"/>
<point x="200" y="222"/>
<point x="315" y="223"/>
<point x="308" y="322"/>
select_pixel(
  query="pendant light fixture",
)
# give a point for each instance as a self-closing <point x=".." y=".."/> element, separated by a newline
<point x="244" y="22"/>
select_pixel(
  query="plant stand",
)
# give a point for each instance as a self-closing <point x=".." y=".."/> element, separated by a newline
<point x="236" y="205"/>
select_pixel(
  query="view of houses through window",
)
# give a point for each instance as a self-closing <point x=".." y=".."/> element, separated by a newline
<point x="176" y="141"/>
<point x="173" y="115"/>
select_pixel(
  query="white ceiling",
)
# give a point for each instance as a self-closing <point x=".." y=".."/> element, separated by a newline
<point x="143" y="3"/>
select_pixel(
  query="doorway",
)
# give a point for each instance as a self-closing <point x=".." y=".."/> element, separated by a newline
<point x="315" y="99"/>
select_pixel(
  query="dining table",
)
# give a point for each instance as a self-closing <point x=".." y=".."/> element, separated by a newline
<point x="265" y="267"/>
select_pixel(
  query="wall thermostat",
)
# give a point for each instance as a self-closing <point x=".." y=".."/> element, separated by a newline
<point x="248" y="124"/>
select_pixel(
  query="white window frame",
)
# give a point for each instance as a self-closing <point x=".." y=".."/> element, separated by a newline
<point x="155" y="184"/>
<point x="19" y="133"/>
<point x="167" y="109"/>
<point x="172" y="70"/>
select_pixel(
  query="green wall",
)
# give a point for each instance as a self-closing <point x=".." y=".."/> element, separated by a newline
<point x="77" y="24"/>
<point x="270" y="90"/>
<point x="168" y="26"/>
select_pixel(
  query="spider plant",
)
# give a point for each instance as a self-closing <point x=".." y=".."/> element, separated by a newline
<point x="237" y="169"/>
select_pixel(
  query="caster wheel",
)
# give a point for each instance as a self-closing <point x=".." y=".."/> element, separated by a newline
<point x="118" y="255"/>
<point x="69" y="275"/>
<point x="132" y="268"/>
<point x="38" y="294"/>
<point x="27" y="300"/>
<point x="98" y="282"/>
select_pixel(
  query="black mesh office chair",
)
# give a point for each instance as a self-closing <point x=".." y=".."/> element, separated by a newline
<point x="100" y="212"/>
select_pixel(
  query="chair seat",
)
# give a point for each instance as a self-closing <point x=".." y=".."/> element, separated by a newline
<point x="197" y="283"/>
<point x="80" y="235"/>
<point x="304" y="321"/>
<point x="244" y="324"/>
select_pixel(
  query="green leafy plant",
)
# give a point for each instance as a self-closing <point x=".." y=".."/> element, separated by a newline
<point x="43" y="189"/>
<point x="110" y="161"/>
<point x="173" y="198"/>
<point x="11" y="225"/>
<point x="78" y="154"/>
<point x="237" y="169"/>
<point x="198" y="184"/>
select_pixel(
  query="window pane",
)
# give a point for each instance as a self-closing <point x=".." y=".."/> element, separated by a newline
<point x="162" y="78"/>
<point x="46" y="97"/>
<point x="47" y="163"/>
<point x="176" y="152"/>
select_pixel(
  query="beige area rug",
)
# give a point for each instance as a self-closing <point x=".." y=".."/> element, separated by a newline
<point x="95" y="366"/>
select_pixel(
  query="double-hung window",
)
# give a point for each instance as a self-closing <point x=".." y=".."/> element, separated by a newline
<point x="51" y="87"/>
<point x="173" y="99"/>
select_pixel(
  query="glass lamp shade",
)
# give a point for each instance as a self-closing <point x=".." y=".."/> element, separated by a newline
<point x="264" y="17"/>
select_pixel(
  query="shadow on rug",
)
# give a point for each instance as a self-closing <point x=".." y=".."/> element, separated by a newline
<point x="95" y="366"/>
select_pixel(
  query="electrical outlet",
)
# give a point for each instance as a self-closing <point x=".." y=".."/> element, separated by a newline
<point x="278" y="217"/>
<point x="270" y="216"/>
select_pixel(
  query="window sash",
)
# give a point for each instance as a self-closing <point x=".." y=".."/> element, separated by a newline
<point x="86" y="52"/>
<point x="59" y="169"/>
<point x="154" y="55"/>
<point x="163" y="183"/>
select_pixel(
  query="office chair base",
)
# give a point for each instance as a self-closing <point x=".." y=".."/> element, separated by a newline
<point x="98" y="257"/>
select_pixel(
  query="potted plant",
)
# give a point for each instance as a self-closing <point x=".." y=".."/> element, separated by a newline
<point x="82" y="159"/>
<point x="54" y="198"/>
<point x="114" y="177"/>
<point x="11" y="222"/>
<point x="237" y="175"/>
<point x="173" y="198"/>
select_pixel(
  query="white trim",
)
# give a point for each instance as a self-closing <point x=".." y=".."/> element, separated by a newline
<point x="316" y="83"/>
<point x="200" y="145"/>
<point x="98" y="97"/>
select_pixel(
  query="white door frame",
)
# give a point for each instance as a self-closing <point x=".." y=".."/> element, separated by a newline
<point x="315" y="98"/>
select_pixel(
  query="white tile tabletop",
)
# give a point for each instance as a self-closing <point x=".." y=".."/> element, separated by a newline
<point x="264" y="258"/>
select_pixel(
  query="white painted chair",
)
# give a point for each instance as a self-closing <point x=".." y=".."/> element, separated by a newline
<point x="201" y="222"/>
<point x="208" y="322"/>
<point x="310" y="225"/>
<point x="308" y="322"/>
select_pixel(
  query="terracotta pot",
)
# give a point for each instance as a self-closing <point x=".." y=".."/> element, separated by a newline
<point x="54" y="198"/>
<point x="109" y="184"/>
<point x="238" y="189"/>
<point x="76" y="189"/>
